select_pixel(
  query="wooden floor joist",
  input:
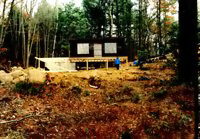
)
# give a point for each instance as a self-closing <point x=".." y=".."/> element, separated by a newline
<point x="97" y="59"/>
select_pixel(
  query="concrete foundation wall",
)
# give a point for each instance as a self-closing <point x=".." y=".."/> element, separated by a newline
<point x="58" y="64"/>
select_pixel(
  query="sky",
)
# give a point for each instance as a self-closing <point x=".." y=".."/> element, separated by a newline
<point x="61" y="2"/>
<point x="79" y="2"/>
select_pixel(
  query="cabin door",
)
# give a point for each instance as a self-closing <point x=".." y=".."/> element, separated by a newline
<point x="97" y="50"/>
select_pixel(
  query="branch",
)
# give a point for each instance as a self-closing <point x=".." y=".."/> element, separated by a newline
<point x="17" y="120"/>
<point x="92" y="86"/>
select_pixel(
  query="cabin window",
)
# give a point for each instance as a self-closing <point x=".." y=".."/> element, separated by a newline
<point x="110" y="48"/>
<point x="83" y="48"/>
<point x="97" y="50"/>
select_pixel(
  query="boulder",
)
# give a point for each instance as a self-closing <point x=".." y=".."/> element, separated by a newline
<point x="36" y="75"/>
<point x="17" y="80"/>
<point x="5" y="78"/>
<point x="16" y="68"/>
<point x="2" y="72"/>
<point x="18" y="73"/>
<point x="170" y="56"/>
<point x="22" y="78"/>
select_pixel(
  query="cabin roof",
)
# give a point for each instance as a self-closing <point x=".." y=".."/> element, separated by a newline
<point x="96" y="40"/>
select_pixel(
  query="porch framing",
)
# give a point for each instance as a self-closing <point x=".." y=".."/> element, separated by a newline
<point x="97" y="59"/>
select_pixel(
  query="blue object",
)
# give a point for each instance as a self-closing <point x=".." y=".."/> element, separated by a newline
<point x="135" y="62"/>
<point x="117" y="61"/>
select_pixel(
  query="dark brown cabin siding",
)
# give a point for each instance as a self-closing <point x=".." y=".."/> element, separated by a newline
<point x="121" y="48"/>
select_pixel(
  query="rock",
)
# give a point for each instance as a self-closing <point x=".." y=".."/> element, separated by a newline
<point x="169" y="56"/>
<point x="17" y="73"/>
<point x="109" y="73"/>
<point x="16" y="68"/>
<point x="36" y="75"/>
<point x="2" y="72"/>
<point x="5" y="78"/>
<point x="22" y="78"/>
<point x="17" y="80"/>
<point x="8" y="78"/>
<point x="94" y="81"/>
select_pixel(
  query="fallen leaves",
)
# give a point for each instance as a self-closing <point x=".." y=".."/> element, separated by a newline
<point x="95" y="112"/>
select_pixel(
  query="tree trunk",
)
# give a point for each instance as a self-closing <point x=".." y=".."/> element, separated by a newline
<point x="55" y="35"/>
<point x="45" y="44"/>
<point x="187" y="41"/>
<point x="159" y="27"/>
<point x="30" y="44"/>
<point x="117" y="18"/>
<point x="140" y="25"/>
<point x="110" y="14"/>
<point x="48" y="41"/>
<point x="2" y="28"/>
<point x="23" y="38"/>
<point x="37" y="49"/>
<point x="188" y="58"/>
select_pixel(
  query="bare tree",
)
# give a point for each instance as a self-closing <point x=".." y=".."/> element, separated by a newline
<point x="27" y="24"/>
<point x="56" y="28"/>
<point x="2" y="23"/>
<point x="188" y="57"/>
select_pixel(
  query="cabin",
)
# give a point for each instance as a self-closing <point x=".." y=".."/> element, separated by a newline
<point x="87" y="54"/>
<point x="103" y="50"/>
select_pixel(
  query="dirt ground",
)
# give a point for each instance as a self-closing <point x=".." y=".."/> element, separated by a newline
<point x="101" y="103"/>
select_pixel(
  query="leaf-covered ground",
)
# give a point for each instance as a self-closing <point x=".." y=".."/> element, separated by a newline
<point x="100" y="104"/>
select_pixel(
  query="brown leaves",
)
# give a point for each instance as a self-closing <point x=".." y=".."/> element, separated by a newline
<point x="106" y="112"/>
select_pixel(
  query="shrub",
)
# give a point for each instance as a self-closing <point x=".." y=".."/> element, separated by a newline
<point x="170" y="63"/>
<point x="184" y="120"/>
<point x="28" y="88"/>
<point x="14" y="135"/>
<point x="155" y="114"/>
<point x="86" y="93"/>
<point x="163" y="82"/>
<point x="152" y="131"/>
<point x="174" y="81"/>
<point x="135" y="98"/>
<point x="185" y="105"/>
<point x="143" y="54"/>
<point x="126" y="135"/>
<point x="158" y="95"/>
<point x="143" y="78"/>
<point x="126" y="90"/>
<point x="76" y="90"/>
<point x="21" y="86"/>
<point x="165" y="126"/>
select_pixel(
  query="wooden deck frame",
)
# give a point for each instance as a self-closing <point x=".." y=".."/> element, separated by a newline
<point x="97" y="59"/>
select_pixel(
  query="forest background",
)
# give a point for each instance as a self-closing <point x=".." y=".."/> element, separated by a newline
<point x="30" y="29"/>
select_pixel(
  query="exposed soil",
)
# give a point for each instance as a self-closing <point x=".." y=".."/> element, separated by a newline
<point x="101" y="104"/>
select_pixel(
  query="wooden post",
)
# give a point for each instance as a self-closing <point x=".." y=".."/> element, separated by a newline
<point x="107" y="64"/>
<point x="87" y="65"/>
<point x="38" y="63"/>
<point x="126" y="59"/>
